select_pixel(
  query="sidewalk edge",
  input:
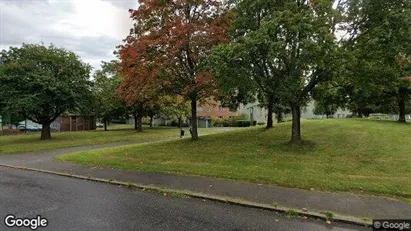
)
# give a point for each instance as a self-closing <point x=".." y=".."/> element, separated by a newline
<point x="199" y="195"/>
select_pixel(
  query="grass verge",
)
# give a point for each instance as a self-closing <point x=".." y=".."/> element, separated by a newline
<point x="31" y="142"/>
<point x="338" y="155"/>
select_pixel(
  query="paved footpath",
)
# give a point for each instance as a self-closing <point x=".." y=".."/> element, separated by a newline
<point x="359" y="206"/>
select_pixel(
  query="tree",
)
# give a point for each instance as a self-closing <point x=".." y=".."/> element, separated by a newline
<point x="42" y="82"/>
<point x="107" y="103"/>
<point x="172" y="39"/>
<point x="175" y="108"/>
<point x="328" y="96"/>
<point x="380" y="32"/>
<point x="284" y="48"/>
<point x="138" y="87"/>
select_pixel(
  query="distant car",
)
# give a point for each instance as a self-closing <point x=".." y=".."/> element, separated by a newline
<point x="29" y="128"/>
<point x="99" y="125"/>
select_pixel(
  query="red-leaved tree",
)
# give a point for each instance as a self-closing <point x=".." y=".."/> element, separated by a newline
<point x="138" y="87"/>
<point x="167" y="47"/>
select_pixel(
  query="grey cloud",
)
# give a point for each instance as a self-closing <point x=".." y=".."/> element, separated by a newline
<point x="32" y="21"/>
<point x="125" y="4"/>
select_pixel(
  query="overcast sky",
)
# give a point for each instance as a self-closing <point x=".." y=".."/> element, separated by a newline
<point x="90" y="28"/>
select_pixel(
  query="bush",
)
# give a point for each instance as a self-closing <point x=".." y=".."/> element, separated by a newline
<point x="261" y="123"/>
<point x="243" y="123"/>
<point x="217" y="122"/>
<point x="228" y="123"/>
<point x="119" y="121"/>
<point x="233" y="122"/>
<point x="174" y="123"/>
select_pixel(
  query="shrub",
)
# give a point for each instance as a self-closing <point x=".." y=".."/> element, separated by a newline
<point x="261" y="123"/>
<point x="217" y="122"/>
<point x="119" y="121"/>
<point x="243" y="123"/>
<point x="174" y="123"/>
<point x="227" y="123"/>
<point x="242" y="117"/>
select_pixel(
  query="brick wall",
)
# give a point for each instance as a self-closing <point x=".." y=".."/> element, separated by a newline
<point x="214" y="109"/>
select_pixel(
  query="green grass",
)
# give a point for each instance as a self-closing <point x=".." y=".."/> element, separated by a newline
<point x="338" y="155"/>
<point x="118" y="133"/>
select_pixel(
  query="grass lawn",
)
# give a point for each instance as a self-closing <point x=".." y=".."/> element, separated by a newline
<point x="117" y="133"/>
<point x="339" y="155"/>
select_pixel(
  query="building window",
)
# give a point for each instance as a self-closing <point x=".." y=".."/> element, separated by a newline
<point x="199" y="109"/>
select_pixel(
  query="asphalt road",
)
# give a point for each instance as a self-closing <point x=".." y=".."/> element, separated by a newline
<point x="73" y="204"/>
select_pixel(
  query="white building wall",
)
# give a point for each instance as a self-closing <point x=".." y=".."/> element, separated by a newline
<point x="260" y="114"/>
<point x="254" y="112"/>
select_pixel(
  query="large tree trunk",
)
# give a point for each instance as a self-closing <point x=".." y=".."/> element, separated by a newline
<point x="194" y="131"/>
<point x="135" y="120"/>
<point x="270" y="108"/>
<point x="139" y="127"/>
<point x="296" y="125"/>
<point x="401" y="105"/>
<point x="279" y="117"/>
<point x="359" y="112"/>
<point x="151" y="121"/>
<point x="180" y="122"/>
<point x="105" y="125"/>
<point x="45" y="131"/>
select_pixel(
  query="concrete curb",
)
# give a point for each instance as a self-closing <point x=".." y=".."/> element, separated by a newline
<point x="229" y="200"/>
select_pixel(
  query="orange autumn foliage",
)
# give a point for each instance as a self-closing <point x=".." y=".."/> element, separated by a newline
<point x="167" y="45"/>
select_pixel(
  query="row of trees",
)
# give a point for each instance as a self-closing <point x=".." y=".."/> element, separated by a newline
<point x="281" y="53"/>
<point x="344" y="53"/>
<point x="373" y="77"/>
<point x="41" y="83"/>
<point x="115" y="97"/>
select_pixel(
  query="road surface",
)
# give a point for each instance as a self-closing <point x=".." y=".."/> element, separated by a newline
<point x="73" y="204"/>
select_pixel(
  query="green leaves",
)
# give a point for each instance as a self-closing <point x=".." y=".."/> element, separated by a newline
<point x="380" y="48"/>
<point x="42" y="82"/>
<point x="106" y="81"/>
